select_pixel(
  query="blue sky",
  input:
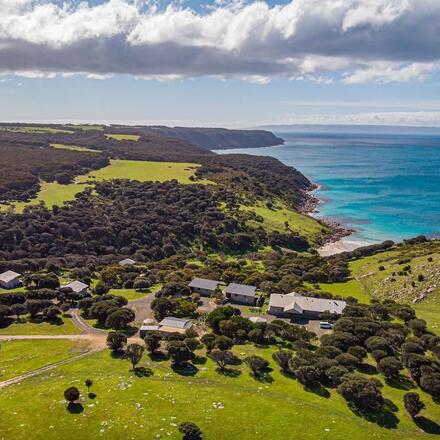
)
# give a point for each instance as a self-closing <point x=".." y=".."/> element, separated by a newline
<point x="237" y="65"/>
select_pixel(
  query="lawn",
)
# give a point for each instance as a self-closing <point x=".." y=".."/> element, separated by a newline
<point x="73" y="148"/>
<point x="128" y="294"/>
<point x="66" y="327"/>
<point x="21" y="356"/>
<point x="131" y="407"/>
<point x="55" y="194"/>
<point x="123" y="137"/>
<point x="350" y="288"/>
<point x="275" y="219"/>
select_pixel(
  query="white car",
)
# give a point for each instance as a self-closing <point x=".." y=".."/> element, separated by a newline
<point x="325" y="324"/>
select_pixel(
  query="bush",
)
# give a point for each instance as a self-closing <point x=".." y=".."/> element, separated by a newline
<point x="361" y="392"/>
<point x="307" y="376"/>
<point x="257" y="365"/>
<point x="71" y="394"/>
<point x="116" y="341"/>
<point x="413" y="404"/>
<point x="282" y="358"/>
<point x="389" y="366"/>
<point x="190" y="431"/>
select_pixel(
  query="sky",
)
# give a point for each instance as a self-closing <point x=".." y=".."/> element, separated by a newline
<point x="221" y="63"/>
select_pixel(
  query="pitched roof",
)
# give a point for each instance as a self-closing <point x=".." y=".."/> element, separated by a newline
<point x="257" y="319"/>
<point x="241" y="289"/>
<point x="8" y="276"/>
<point x="77" y="286"/>
<point x="126" y="262"/>
<point x="170" y="321"/>
<point x="202" y="283"/>
<point x="299" y="304"/>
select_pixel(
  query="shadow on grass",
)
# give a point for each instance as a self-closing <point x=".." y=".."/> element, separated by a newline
<point x="185" y="369"/>
<point x="75" y="408"/>
<point x="426" y="425"/>
<point x="143" y="372"/>
<point x="118" y="355"/>
<point x="228" y="372"/>
<point x="401" y="383"/>
<point x="385" y="417"/>
<point x="264" y="377"/>
<point x="158" y="356"/>
<point x="319" y="390"/>
<point x="367" y="369"/>
<point x="199" y="360"/>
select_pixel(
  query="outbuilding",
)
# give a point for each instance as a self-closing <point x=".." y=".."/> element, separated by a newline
<point x="203" y="286"/>
<point x="127" y="262"/>
<point x="241" y="293"/>
<point x="10" y="280"/>
<point x="167" y="325"/>
<point x="78" y="287"/>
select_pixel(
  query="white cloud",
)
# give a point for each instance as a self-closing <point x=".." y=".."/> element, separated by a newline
<point x="322" y="40"/>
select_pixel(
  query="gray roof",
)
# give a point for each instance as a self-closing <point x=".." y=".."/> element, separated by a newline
<point x="241" y="289"/>
<point x="202" y="283"/>
<point x="9" y="276"/>
<point x="170" y="321"/>
<point x="126" y="262"/>
<point x="149" y="328"/>
<point x="299" y="304"/>
<point x="77" y="286"/>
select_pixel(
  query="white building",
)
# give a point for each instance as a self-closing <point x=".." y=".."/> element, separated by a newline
<point x="292" y="304"/>
<point x="78" y="287"/>
<point x="10" y="280"/>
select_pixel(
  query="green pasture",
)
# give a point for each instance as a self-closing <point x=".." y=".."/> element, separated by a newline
<point x="65" y="326"/>
<point x="36" y="130"/>
<point x="131" y="407"/>
<point x="123" y="137"/>
<point x="73" y="148"/>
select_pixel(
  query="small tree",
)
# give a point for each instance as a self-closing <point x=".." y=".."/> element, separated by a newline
<point x="101" y="288"/>
<point x="307" y="376"/>
<point x="208" y="340"/>
<point x="190" y="431"/>
<point x="222" y="358"/>
<point x="71" y="394"/>
<point x="152" y="341"/>
<point x="134" y="352"/>
<point x="223" y="343"/>
<point x="120" y="318"/>
<point x="178" y="352"/>
<point x="88" y="383"/>
<point x="53" y="312"/>
<point x="282" y="358"/>
<point x="413" y="404"/>
<point x="389" y="366"/>
<point x="116" y="341"/>
<point x="257" y="364"/>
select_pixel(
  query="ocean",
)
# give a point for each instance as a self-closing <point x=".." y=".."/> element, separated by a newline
<point x="385" y="186"/>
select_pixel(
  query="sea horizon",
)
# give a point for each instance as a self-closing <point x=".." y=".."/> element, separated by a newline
<point x="382" y="185"/>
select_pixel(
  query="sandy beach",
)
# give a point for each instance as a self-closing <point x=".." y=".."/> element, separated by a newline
<point x="344" y="245"/>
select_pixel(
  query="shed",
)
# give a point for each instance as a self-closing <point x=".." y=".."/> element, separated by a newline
<point x="78" y="287"/>
<point x="241" y="293"/>
<point x="127" y="262"/>
<point x="203" y="286"/>
<point x="10" y="279"/>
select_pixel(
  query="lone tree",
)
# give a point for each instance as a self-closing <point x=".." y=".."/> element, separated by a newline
<point x="134" y="352"/>
<point x="222" y="358"/>
<point x="116" y="341"/>
<point x="282" y="358"/>
<point x="152" y="341"/>
<point x="88" y="383"/>
<point x="190" y="431"/>
<point x="413" y="404"/>
<point x="257" y="364"/>
<point x="71" y="394"/>
<point x="178" y="352"/>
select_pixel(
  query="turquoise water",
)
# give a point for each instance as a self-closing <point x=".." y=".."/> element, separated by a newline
<point x="384" y="186"/>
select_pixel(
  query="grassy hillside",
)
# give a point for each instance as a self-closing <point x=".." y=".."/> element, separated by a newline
<point x="123" y="137"/>
<point x="407" y="274"/>
<point x="127" y="406"/>
<point x="283" y="219"/>
<point x="73" y="148"/>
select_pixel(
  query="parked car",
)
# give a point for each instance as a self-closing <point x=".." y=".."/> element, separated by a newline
<point x="325" y="324"/>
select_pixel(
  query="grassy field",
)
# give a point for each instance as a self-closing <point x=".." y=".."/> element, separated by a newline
<point x="50" y="194"/>
<point x="350" y="288"/>
<point x="73" y="148"/>
<point x="36" y="130"/>
<point x="55" y="194"/>
<point x="21" y="356"/>
<point x="123" y="137"/>
<point x="275" y="218"/>
<point x="66" y="327"/>
<point x="131" y="407"/>
<point x="87" y="127"/>
<point x="144" y="171"/>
